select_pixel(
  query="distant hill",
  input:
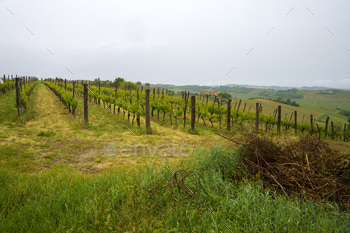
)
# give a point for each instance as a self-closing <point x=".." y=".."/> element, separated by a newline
<point x="280" y="88"/>
<point x="198" y="88"/>
<point x="311" y="99"/>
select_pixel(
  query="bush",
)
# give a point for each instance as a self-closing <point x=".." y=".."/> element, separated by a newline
<point x="345" y="112"/>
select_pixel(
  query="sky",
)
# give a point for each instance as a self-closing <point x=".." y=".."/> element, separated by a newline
<point x="195" y="42"/>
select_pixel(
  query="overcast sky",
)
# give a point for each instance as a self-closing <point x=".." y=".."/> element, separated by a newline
<point x="286" y="43"/>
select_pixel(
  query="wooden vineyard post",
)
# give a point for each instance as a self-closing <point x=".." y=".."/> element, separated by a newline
<point x="20" y="83"/>
<point x="257" y="117"/>
<point x="291" y="116"/>
<point x="332" y="127"/>
<point x="295" y="121"/>
<point x="73" y="89"/>
<point x="229" y="115"/>
<point x="4" y="78"/>
<point x="86" y="99"/>
<point x="99" y="92"/>
<point x="73" y="109"/>
<point x="311" y="125"/>
<point x="279" y="119"/>
<point x="65" y="84"/>
<point x="326" y="127"/>
<point x="219" y="111"/>
<point x="193" y="112"/>
<point x="245" y="104"/>
<point x="148" y="117"/>
<point x="344" y="132"/>
<point x="239" y="105"/>
<point x="186" y="102"/>
<point x="18" y="95"/>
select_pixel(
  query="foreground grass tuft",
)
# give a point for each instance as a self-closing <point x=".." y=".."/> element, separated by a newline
<point x="142" y="199"/>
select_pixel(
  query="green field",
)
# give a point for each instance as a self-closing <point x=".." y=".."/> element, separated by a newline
<point x="312" y="103"/>
<point x="59" y="175"/>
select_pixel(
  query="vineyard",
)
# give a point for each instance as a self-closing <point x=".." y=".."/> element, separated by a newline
<point x="81" y="156"/>
<point x="210" y="112"/>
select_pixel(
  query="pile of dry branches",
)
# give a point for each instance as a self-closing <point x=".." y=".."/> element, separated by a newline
<point x="308" y="167"/>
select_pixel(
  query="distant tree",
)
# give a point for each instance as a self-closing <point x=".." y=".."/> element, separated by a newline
<point x="147" y="84"/>
<point x="118" y="81"/>
<point x="138" y="83"/>
<point x="96" y="81"/>
<point x="224" y="95"/>
<point x="171" y="92"/>
<point x="130" y="85"/>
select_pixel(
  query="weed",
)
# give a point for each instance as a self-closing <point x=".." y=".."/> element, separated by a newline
<point x="48" y="133"/>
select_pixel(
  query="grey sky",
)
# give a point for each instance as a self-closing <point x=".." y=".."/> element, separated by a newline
<point x="179" y="42"/>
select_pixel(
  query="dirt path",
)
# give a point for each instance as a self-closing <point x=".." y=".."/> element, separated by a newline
<point x="50" y="113"/>
<point x="50" y="135"/>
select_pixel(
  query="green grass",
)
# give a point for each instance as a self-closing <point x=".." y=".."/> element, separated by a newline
<point x="119" y="200"/>
<point x="48" y="133"/>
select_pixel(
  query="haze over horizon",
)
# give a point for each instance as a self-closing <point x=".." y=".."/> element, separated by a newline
<point x="270" y="43"/>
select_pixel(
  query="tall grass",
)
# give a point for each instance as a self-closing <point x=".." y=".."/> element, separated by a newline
<point x="138" y="199"/>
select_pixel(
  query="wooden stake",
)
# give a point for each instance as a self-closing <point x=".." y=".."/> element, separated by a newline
<point x="326" y="127"/>
<point x="311" y="125"/>
<point x="229" y="115"/>
<point x="18" y="95"/>
<point x="257" y="117"/>
<point x="295" y="121"/>
<point x="148" y="117"/>
<point x="279" y="119"/>
<point x="86" y="110"/>
<point x="193" y="112"/>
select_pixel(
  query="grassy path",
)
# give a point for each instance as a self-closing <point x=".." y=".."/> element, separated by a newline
<point x="50" y="113"/>
<point x="48" y="135"/>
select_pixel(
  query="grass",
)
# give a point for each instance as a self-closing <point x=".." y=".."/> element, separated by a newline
<point x="61" y="199"/>
<point x="46" y="133"/>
